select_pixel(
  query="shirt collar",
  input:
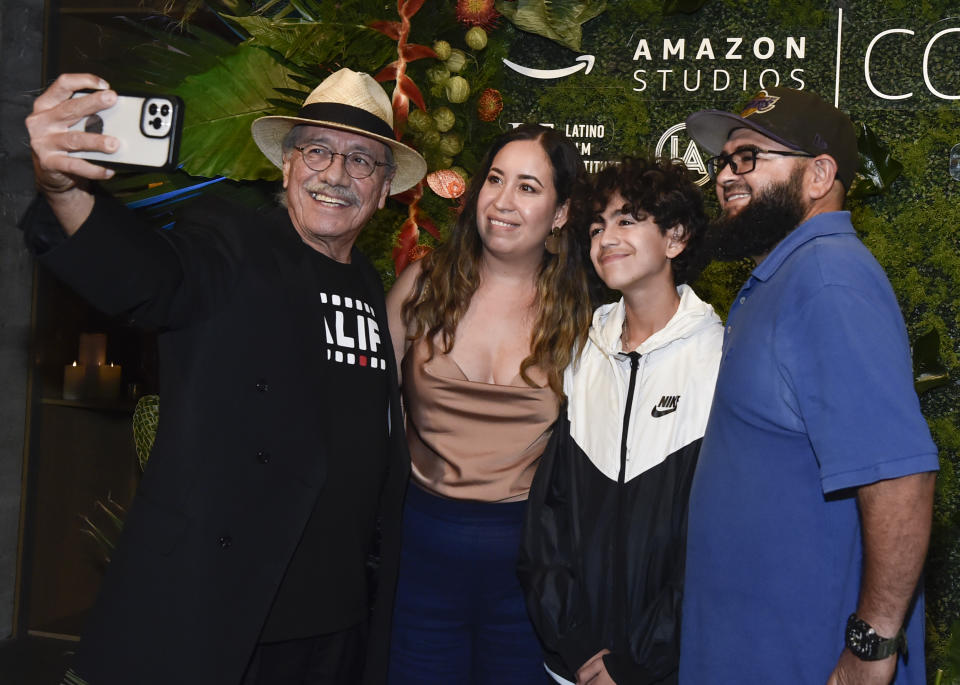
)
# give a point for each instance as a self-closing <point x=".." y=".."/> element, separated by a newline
<point x="827" y="223"/>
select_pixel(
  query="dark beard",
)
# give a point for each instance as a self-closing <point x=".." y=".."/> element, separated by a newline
<point x="758" y="227"/>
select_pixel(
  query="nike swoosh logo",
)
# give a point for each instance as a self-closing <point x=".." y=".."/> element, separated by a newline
<point x="657" y="413"/>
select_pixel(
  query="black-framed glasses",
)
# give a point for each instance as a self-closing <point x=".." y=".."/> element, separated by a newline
<point x="743" y="160"/>
<point x="357" y="164"/>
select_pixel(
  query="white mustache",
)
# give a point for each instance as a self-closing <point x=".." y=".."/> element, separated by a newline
<point x="338" y="192"/>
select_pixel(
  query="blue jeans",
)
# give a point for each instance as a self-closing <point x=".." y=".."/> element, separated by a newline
<point x="460" y="617"/>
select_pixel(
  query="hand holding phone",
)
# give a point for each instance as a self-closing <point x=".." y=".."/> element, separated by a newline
<point x="65" y="179"/>
<point x="147" y="127"/>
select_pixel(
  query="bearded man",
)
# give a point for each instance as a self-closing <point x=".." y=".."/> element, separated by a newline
<point x="811" y="506"/>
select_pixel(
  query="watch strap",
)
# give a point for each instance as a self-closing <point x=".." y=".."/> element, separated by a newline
<point x="866" y="644"/>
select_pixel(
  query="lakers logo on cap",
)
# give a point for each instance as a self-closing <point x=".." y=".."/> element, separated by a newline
<point x="760" y="104"/>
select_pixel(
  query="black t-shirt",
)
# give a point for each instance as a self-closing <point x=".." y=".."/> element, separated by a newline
<point x="325" y="586"/>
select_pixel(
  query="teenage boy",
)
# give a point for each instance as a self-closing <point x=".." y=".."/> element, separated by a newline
<point x="602" y="558"/>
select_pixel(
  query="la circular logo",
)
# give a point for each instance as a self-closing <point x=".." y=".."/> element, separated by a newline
<point x="670" y="145"/>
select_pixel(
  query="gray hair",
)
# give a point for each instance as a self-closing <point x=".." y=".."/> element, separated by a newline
<point x="291" y="139"/>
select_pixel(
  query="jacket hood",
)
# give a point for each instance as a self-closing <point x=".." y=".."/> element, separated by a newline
<point x="692" y="315"/>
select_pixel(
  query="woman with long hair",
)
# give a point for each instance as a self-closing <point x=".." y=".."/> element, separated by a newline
<point x="485" y="326"/>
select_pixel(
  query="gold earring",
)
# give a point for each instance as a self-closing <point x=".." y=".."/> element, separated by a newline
<point x="552" y="242"/>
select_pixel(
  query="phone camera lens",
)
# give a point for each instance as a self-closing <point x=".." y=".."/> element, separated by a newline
<point x="156" y="123"/>
<point x="165" y="110"/>
<point x="152" y="109"/>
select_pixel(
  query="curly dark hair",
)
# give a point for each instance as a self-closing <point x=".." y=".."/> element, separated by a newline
<point x="664" y="190"/>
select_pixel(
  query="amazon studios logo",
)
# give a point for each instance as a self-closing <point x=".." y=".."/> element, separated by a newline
<point x="921" y="64"/>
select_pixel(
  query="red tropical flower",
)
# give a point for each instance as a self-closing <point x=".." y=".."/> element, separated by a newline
<point x="489" y="105"/>
<point x="477" y="13"/>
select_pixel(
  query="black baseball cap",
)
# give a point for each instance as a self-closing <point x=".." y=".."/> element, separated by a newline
<point x="799" y="119"/>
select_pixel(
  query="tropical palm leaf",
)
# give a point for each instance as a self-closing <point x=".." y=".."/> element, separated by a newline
<point x="222" y="103"/>
<point x="156" y="54"/>
<point x="310" y="43"/>
<point x="559" y="20"/>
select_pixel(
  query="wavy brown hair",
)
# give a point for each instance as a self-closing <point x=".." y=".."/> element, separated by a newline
<point x="451" y="273"/>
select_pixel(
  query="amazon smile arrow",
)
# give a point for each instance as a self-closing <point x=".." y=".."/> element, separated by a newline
<point x="586" y="63"/>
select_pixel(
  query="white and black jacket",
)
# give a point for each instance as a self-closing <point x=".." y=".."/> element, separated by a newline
<point x="602" y="556"/>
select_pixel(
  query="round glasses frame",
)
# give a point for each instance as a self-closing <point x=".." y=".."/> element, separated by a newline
<point x="743" y="160"/>
<point x="358" y="165"/>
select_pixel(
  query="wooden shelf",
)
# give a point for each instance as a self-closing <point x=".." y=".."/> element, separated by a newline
<point x="67" y="628"/>
<point x="120" y="406"/>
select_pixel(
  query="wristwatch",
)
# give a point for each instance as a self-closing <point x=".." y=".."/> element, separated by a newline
<point x="867" y="645"/>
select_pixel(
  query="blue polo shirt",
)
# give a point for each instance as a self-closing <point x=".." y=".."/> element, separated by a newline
<point x="814" y="398"/>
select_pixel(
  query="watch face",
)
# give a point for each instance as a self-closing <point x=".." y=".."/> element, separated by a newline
<point x="861" y="638"/>
<point x="865" y="644"/>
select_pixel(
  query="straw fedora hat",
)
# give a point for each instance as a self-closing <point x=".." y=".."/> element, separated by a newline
<point x="349" y="101"/>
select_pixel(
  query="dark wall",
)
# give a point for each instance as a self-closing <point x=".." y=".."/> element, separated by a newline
<point x="21" y="33"/>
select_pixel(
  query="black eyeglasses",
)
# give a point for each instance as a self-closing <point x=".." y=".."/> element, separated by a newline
<point x="358" y="164"/>
<point x="743" y="160"/>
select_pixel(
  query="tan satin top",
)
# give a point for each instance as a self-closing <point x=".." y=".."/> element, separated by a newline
<point x="472" y="440"/>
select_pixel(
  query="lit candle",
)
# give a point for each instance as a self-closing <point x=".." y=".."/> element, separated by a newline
<point x="73" y="377"/>
<point x="108" y="381"/>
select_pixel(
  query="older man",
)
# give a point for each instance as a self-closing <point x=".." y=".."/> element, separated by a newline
<point x="275" y="468"/>
<point x="810" y="509"/>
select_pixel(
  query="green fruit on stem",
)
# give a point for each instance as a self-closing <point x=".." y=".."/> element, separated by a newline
<point x="444" y="118"/>
<point x="437" y="75"/>
<point x="457" y="89"/>
<point x="430" y="139"/>
<point x="450" y="144"/>
<point x="476" y="38"/>
<point x="456" y="61"/>
<point x="419" y="121"/>
<point x="442" y="48"/>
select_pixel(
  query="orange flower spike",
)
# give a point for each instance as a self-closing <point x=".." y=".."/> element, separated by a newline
<point x="409" y="88"/>
<point x="403" y="92"/>
<point x="408" y="238"/>
<point x="391" y="29"/>
<point x="401" y="111"/>
<point x="407" y="8"/>
<point x="388" y="73"/>
<point x="413" y="52"/>
<point x="427" y="224"/>
<point x="400" y="101"/>
<point x="410" y="197"/>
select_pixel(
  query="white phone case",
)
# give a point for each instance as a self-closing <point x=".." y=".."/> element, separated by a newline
<point x="147" y="126"/>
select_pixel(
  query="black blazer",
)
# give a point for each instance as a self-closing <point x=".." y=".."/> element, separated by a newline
<point x="213" y="524"/>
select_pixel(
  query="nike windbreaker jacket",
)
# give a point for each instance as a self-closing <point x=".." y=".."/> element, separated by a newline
<point x="602" y="555"/>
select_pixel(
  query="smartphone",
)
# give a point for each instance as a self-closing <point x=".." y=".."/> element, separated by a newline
<point x="147" y="126"/>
